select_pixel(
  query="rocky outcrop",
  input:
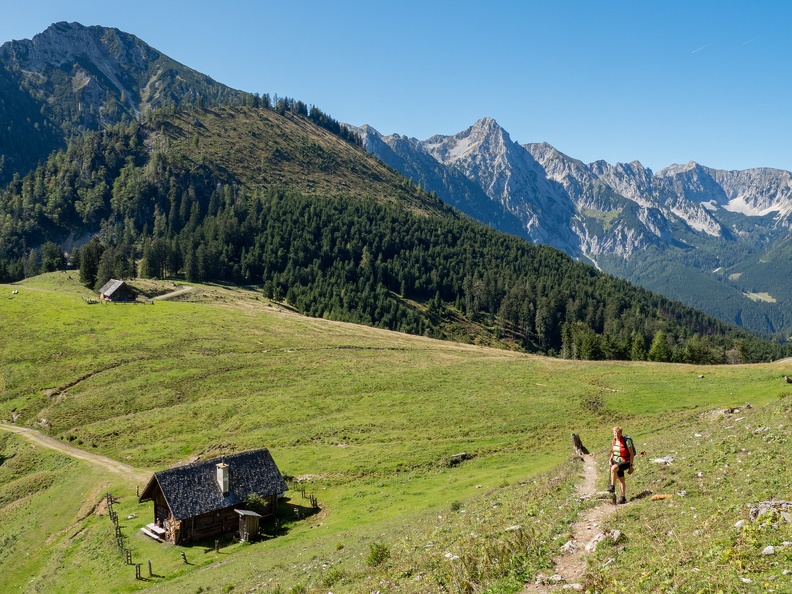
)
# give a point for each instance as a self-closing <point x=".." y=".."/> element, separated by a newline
<point x="84" y="78"/>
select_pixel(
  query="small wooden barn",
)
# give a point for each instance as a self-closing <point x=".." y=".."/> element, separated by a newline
<point x="207" y="498"/>
<point x="116" y="290"/>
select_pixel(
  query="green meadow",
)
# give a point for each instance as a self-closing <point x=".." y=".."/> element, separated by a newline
<point x="366" y="420"/>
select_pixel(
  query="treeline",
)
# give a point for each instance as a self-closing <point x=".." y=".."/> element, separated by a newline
<point x="280" y="105"/>
<point x="365" y="262"/>
<point x="361" y="261"/>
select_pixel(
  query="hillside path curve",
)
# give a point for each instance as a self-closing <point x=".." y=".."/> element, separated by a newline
<point x="175" y="293"/>
<point x="104" y="462"/>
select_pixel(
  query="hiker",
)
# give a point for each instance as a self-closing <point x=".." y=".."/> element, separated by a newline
<point x="621" y="459"/>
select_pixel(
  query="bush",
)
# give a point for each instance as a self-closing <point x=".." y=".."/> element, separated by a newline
<point x="332" y="577"/>
<point x="378" y="554"/>
<point x="257" y="503"/>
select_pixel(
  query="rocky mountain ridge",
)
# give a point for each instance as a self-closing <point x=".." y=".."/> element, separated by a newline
<point x="71" y="78"/>
<point x="622" y="217"/>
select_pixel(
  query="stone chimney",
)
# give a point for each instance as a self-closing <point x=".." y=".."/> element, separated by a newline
<point x="222" y="476"/>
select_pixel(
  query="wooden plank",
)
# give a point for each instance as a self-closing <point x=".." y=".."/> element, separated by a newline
<point x="150" y="534"/>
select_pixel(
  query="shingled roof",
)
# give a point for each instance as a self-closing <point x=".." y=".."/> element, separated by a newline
<point x="193" y="490"/>
<point x="111" y="287"/>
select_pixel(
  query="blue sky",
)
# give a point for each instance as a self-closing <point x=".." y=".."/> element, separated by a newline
<point x="660" y="81"/>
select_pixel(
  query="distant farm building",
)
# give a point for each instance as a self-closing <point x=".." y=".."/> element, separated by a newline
<point x="116" y="290"/>
<point x="207" y="498"/>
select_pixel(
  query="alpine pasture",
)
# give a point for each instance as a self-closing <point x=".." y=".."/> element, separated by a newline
<point x="368" y="421"/>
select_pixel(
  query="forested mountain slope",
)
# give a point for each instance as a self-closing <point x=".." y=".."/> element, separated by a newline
<point x="272" y="197"/>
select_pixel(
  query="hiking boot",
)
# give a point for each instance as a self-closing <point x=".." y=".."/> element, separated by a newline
<point x="611" y="489"/>
<point x="622" y="500"/>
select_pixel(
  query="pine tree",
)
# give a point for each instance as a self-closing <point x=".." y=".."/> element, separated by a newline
<point x="31" y="264"/>
<point x="105" y="271"/>
<point x="637" y="348"/>
<point x="660" y="351"/>
<point x="51" y="257"/>
<point x="90" y="255"/>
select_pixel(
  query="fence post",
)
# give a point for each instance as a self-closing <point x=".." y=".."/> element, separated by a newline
<point x="137" y="571"/>
<point x="150" y="572"/>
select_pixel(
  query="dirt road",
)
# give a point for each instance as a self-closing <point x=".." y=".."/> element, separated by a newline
<point x="102" y="461"/>
<point x="173" y="294"/>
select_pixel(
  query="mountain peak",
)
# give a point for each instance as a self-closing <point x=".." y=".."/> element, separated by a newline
<point x="63" y="44"/>
<point x="676" y="168"/>
<point x="485" y="134"/>
<point x="71" y="78"/>
<point x="486" y="127"/>
<point x="486" y="122"/>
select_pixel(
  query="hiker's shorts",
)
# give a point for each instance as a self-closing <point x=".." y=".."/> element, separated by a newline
<point x="622" y="467"/>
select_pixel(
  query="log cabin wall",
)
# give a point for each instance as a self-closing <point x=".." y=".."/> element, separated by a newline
<point x="272" y="508"/>
<point x="208" y="524"/>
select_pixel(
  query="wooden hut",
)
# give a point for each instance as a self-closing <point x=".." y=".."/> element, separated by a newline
<point x="116" y="290"/>
<point x="202" y="499"/>
<point x="248" y="523"/>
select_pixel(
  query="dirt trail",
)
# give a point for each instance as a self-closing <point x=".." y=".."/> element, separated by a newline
<point x="571" y="565"/>
<point x="173" y="294"/>
<point x="102" y="461"/>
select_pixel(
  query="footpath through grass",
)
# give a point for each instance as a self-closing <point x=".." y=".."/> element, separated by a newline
<point x="702" y="539"/>
<point x="366" y="420"/>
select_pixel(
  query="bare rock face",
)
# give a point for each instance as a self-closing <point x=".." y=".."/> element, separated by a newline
<point x="65" y="43"/>
<point x="95" y="61"/>
<point x="586" y="210"/>
<point x="90" y="77"/>
<point x="687" y="231"/>
<point x="485" y="174"/>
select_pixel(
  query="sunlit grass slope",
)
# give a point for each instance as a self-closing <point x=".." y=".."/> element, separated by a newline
<point x="702" y="539"/>
<point x="367" y="419"/>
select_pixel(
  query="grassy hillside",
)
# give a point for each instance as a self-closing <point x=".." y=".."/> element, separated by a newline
<point x="281" y="151"/>
<point x="703" y="539"/>
<point x="365" y="419"/>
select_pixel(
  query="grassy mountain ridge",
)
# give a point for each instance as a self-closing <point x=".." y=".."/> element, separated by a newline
<point x="367" y="418"/>
<point x="261" y="149"/>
